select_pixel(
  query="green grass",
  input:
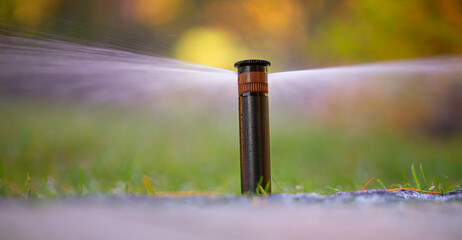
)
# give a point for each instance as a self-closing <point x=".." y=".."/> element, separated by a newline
<point x="381" y="184"/>
<point x="416" y="179"/>
<point x="51" y="150"/>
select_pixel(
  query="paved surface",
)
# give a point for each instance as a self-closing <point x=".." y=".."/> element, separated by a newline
<point x="357" y="215"/>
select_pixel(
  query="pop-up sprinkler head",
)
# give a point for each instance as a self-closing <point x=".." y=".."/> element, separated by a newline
<point x="254" y="126"/>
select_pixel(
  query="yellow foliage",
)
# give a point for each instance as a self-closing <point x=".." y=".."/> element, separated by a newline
<point x="31" y="12"/>
<point x="210" y="47"/>
<point x="157" y="12"/>
<point x="148" y="185"/>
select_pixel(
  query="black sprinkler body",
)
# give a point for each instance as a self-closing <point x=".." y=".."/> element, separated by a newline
<point x="254" y="126"/>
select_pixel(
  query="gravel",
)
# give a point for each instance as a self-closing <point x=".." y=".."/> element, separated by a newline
<point x="370" y="214"/>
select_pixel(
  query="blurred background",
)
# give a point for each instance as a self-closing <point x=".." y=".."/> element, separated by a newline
<point x="293" y="34"/>
<point x="325" y="135"/>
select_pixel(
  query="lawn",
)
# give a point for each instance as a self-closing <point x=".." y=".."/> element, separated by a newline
<point x="65" y="149"/>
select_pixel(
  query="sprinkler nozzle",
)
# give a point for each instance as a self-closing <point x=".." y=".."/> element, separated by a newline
<point x="253" y="75"/>
<point x="254" y="126"/>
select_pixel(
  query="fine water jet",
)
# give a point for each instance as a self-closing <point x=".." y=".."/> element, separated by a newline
<point x="254" y="126"/>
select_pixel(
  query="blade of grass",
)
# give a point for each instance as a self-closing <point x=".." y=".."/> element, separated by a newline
<point x="127" y="188"/>
<point x="277" y="185"/>
<point x="381" y="184"/>
<point x="416" y="179"/>
<point x="267" y="186"/>
<point x="26" y="186"/>
<point x="443" y="184"/>
<point x="148" y="185"/>
<point x="404" y="176"/>
<point x="81" y="182"/>
<point x="333" y="189"/>
<point x="438" y="181"/>
<point x="259" y="185"/>
<point x="262" y="191"/>
<point x="407" y="185"/>
<point x="45" y="186"/>
<point x="365" y="185"/>
<point x="423" y="176"/>
<point x="3" y="186"/>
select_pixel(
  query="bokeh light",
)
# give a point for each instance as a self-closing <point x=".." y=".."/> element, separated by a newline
<point x="30" y="13"/>
<point x="211" y="47"/>
<point x="294" y="34"/>
<point x="157" y="12"/>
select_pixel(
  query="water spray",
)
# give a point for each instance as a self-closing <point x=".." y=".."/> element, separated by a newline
<point x="254" y="126"/>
